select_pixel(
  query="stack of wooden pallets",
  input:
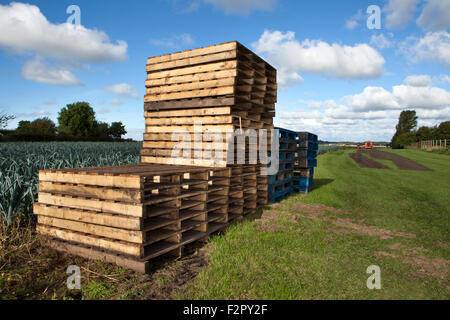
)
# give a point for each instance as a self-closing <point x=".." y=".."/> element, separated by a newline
<point x="131" y="214"/>
<point x="196" y="100"/>
<point x="305" y="161"/>
<point x="188" y="184"/>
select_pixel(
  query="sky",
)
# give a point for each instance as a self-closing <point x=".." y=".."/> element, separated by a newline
<point x="346" y="69"/>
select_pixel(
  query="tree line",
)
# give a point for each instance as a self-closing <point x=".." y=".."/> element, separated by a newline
<point x="407" y="133"/>
<point x="76" y="122"/>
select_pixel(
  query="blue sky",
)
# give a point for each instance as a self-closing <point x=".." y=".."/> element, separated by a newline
<point x="337" y="77"/>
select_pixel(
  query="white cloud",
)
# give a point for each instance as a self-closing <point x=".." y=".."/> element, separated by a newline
<point x="373" y="98"/>
<point x="353" y="22"/>
<point x="291" y="57"/>
<point x="36" y="70"/>
<point x="418" y="81"/>
<point x="116" y="102"/>
<point x="400" y="13"/>
<point x="123" y="90"/>
<point x="175" y="41"/>
<point x="242" y="7"/>
<point x="23" y="28"/>
<point x="401" y="97"/>
<point x="380" y="41"/>
<point x="421" y="97"/>
<point x="38" y="114"/>
<point x="435" y="15"/>
<point x="445" y="78"/>
<point x="434" y="46"/>
<point x="371" y="115"/>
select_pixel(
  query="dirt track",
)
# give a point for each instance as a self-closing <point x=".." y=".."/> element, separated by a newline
<point x="401" y="162"/>
<point x="365" y="162"/>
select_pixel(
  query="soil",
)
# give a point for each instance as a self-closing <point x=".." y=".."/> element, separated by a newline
<point x="365" y="162"/>
<point x="401" y="162"/>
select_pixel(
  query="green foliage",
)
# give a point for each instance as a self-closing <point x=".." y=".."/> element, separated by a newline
<point x="77" y="119"/>
<point x="97" y="290"/>
<point x="407" y="122"/>
<point x="4" y="118"/>
<point x="403" y="140"/>
<point x="426" y="133"/>
<point x="39" y="127"/>
<point x="21" y="161"/>
<point x="444" y="130"/>
<point x="117" y="130"/>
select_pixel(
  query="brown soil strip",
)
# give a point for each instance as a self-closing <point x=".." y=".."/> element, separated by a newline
<point x="346" y="226"/>
<point x="401" y="162"/>
<point x="426" y="267"/>
<point x="365" y="162"/>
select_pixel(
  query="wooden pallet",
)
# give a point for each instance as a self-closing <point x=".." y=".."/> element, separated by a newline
<point x="135" y="212"/>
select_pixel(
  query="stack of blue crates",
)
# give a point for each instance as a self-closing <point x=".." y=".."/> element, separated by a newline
<point x="281" y="184"/>
<point x="305" y="162"/>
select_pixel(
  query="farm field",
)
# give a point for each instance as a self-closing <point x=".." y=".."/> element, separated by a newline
<point x="315" y="246"/>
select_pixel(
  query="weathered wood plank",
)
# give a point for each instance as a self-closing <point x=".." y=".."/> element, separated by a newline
<point x="216" y="83"/>
<point x="104" y="219"/>
<point x="131" y="249"/>
<point x="132" y="182"/>
<point x="204" y="76"/>
<point x="104" y="193"/>
<point x="127" y="209"/>
<point x="103" y="231"/>
<point x="193" y="53"/>
<point x="96" y="254"/>
<point x="190" y="94"/>
<point x="227" y="55"/>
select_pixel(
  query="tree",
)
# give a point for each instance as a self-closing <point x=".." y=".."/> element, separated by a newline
<point x="407" y="122"/>
<point x="4" y="119"/>
<point x="43" y="126"/>
<point x="24" y="127"/>
<point x="100" y="131"/>
<point x="117" y="130"/>
<point x="444" y="130"/>
<point x="77" y="119"/>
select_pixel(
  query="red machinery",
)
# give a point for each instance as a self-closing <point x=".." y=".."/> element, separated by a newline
<point x="367" y="145"/>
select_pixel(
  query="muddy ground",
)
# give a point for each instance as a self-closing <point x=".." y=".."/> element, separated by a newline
<point x="400" y="162"/>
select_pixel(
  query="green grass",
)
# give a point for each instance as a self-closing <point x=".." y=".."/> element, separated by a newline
<point x="301" y="258"/>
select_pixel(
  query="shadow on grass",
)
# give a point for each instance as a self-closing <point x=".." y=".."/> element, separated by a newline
<point x="319" y="183"/>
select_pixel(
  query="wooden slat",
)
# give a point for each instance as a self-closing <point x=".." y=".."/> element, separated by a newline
<point x="132" y="182"/>
<point x="187" y="162"/>
<point x="195" y="77"/>
<point x="92" y="204"/>
<point x="190" y="94"/>
<point x="192" y="103"/>
<point x="189" y="120"/>
<point x="227" y="55"/>
<point x="190" y="129"/>
<point x="171" y="145"/>
<point x="104" y="193"/>
<point x="96" y="254"/>
<point x="104" y="219"/>
<point x="193" y="53"/>
<point x="131" y="249"/>
<point x="218" y="111"/>
<point x="216" y="83"/>
<point x="103" y="231"/>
